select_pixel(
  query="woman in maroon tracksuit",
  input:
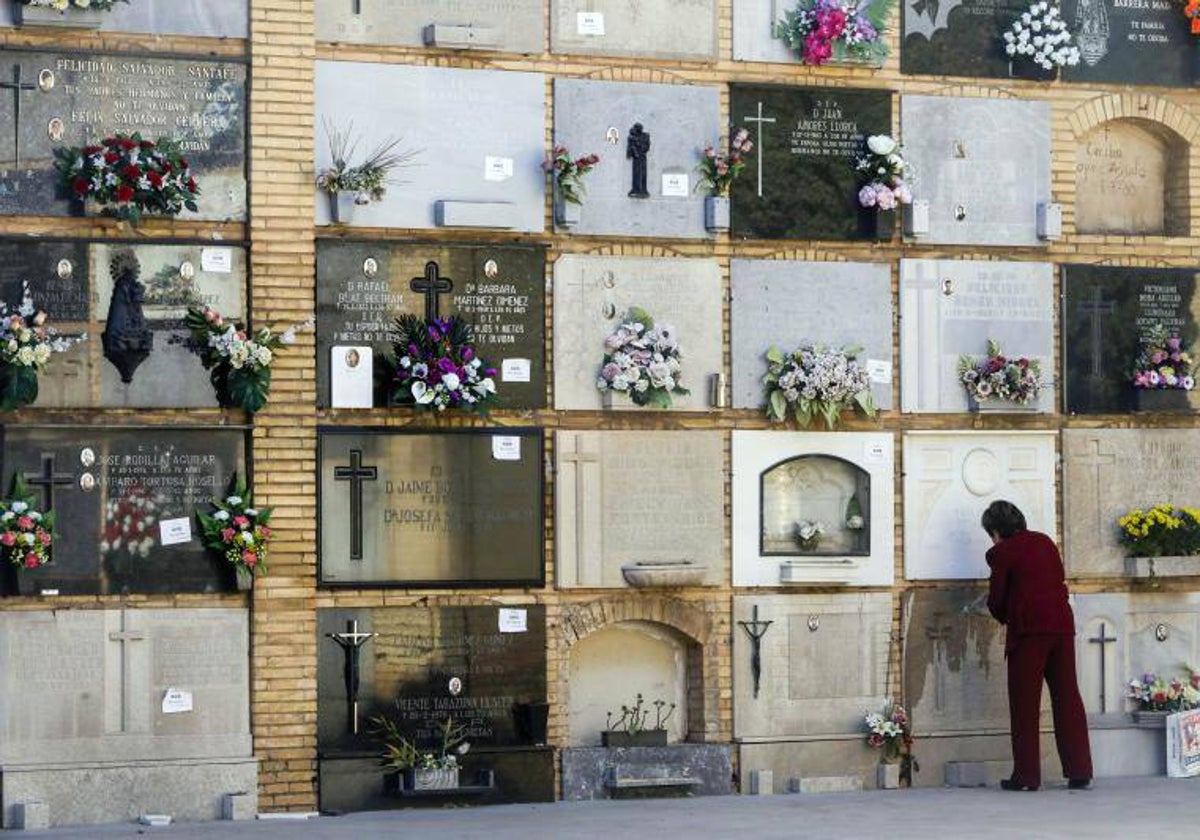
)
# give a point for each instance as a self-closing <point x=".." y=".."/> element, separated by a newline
<point x="1028" y="593"/>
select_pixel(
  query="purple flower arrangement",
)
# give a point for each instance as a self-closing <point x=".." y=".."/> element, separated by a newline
<point x="818" y="31"/>
<point x="437" y="366"/>
<point x="1163" y="364"/>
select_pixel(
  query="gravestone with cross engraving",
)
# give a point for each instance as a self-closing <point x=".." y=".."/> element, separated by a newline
<point x="494" y="25"/>
<point x="500" y="290"/>
<point x="430" y="508"/>
<point x="800" y="180"/>
<point x="125" y="501"/>
<point x="1108" y="312"/>
<point x="196" y="18"/>
<point x="64" y="100"/>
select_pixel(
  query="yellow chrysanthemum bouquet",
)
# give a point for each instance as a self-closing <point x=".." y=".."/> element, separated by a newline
<point x="1161" y="531"/>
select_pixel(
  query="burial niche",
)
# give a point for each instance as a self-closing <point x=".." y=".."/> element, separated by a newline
<point x="1131" y="177"/>
<point x="815" y="506"/>
<point x="611" y="667"/>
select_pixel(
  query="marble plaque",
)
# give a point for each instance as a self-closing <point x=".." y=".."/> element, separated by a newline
<point x="824" y="663"/>
<point x="592" y="294"/>
<point x="430" y="508"/>
<point x="950" y="308"/>
<point x="788" y="303"/>
<point x="513" y="26"/>
<point x="958" y="37"/>
<point x="1107" y="311"/>
<point x="196" y="18"/>
<point x="88" y="685"/>
<point x="1122" y="42"/>
<point x="800" y="181"/>
<point x="595" y="117"/>
<point x="642" y="27"/>
<point x="363" y="287"/>
<point x="1107" y="473"/>
<point x="115" y="491"/>
<point x="982" y="164"/>
<point x="1122" y="181"/>
<point x="782" y="478"/>
<point x="426" y="665"/>
<point x="951" y="477"/>
<point x="629" y="497"/>
<point x="199" y="102"/>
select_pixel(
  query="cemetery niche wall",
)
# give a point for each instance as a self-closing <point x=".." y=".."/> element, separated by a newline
<point x="65" y="100"/>
<point x="474" y="25"/>
<point x="480" y="668"/>
<point x="363" y="286"/>
<point x="428" y="509"/>
<point x="125" y="500"/>
<point x="1113" y="318"/>
<point x="650" y="28"/>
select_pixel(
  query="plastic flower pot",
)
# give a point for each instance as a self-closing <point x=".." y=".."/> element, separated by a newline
<point x="641" y="738"/>
<point x="1161" y="400"/>
<point x="567" y="214"/>
<point x="887" y="776"/>
<point x="421" y="779"/>
<point x="245" y="578"/>
<point x="716" y="213"/>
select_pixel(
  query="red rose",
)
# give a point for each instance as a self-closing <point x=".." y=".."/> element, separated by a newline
<point x="82" y="185"/>
<point x="131" y="173"/>
<point x="91" y="150"/>
<point x="31" y="561"/>
<point x="146" y="144"/>
<point x="111" y="157"/>
<point x="127" y="144"/>
<point x="191" y="184"/>
<point x="124" y="193"/>
<point x="155" y="180"/>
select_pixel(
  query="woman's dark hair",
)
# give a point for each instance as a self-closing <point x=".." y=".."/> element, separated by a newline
<point x="1003" y="518"/>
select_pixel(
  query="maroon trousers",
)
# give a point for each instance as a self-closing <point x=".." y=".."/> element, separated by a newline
<point x="1051" y="658"/>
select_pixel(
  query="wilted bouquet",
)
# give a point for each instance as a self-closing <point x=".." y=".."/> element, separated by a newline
<point x="889" y="730"/>
<point x="129" y="176"/>
<point x="884" y="173"/>
<point x="438" y="367"/>
<point x="568" y="172"/>
<point x="1161" y="531"/>
<point x="1158" y="694"/>
<point x="816" y="381"/>
<point x="26" y="534"/>
<point x="65" y="5"/>
<point x="998" y="377"/>
<point x="820" y="30"/>
<point x="367" y="180"/>
<point x="26" y="344"/>
<point x="1041" y="35"/>
<point x="237" y="530"/>
<point x="1163" y="363"/>
<point x="643" y="360"/>
<point x="239" y="362"/>
<point x="717" y="172"/>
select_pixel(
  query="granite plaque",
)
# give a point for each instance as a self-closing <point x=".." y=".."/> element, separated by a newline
<point x="363" y="287"/>
<point x="1139" y="42"/>
<point x="478" y="137"/>
<point x="53" y="273"/>
<point x="788" y="303"/>
<point x="115" y="492"/>
<point x="430" y="508"/>
<point x="800" y="181"/>
<point x="958" y="37"/>
<point x="1107" y="311"/>
<point x="982" y="164"/>
<point x="506" y="25"/>
<point x="69" y="100"/>
<point x="635" y="27"/>
<point x="597" y="117"/>
<point x="197" y="18"/>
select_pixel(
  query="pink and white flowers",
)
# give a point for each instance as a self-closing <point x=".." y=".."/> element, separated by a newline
<point x="237" y="530"/>
<point x="643" y="360"/>
<point x="1163" y="364"/>
<point x="26" y="534"/>
<point x="26" y="344"/>
<point x="885" y="173"/>
<point x="816" y="381"/>
<point x="818" y="31"/>
<point x="889" y="730"/>
<point x="717" y="171"/>
<point x="999" y="377"/>
<point x="1153" y="693"/>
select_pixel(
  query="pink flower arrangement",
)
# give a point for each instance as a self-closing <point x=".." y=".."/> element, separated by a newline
<point x="26" y="534"/>
<point x="886" y="174"/>
<point x="823" y="30"/>
<point x="236" y="530"/>
<point x="717" y="171"/>
<point x="1163" y="364"/>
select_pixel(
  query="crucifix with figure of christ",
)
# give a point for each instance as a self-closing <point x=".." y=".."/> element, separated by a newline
<point x="433" y="286"/>
<point x="47" y="480"/>
<point x="760" y="140"/>
<point x="356" y="474"/>
<point x="17" y="87"/>
<point x="755" y="629"/>
<point x="1103" y="640"/>
<point x="351" y="643"/>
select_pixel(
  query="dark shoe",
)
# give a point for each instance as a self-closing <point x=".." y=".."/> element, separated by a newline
<point x="1079" y="784"/>
<point x="1009" y="784"/>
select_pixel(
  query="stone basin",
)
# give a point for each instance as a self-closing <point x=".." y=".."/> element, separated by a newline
<point x="646" y="573"/>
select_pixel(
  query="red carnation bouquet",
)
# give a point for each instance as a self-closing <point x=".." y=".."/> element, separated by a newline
<point x="130" y="176"/>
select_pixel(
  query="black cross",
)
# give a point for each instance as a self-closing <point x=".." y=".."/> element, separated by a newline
<point x="351" y="643"/>
<point x="48" y="479"/>
<point x="17" y="87"/>
<point x="756" y="629"/>
<point x="432" y="284"/>
<point x="356" y="474"/>
<point x="1098" y="308"/>
<point x="1103" y="639"/>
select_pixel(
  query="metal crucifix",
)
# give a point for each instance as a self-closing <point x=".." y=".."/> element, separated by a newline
<point x="1103" y="640"/>
<point x="351" y="643"/>
<point x="755" y="629"/>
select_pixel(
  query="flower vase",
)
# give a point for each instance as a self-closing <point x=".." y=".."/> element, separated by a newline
<point x="341" y="207"/>
<point x="887" y="776"/>
<point x="1030" y="72"/>
<point x="1161" y="400"/>
<point x="567" y="214"/>
<point x="1150" y="719"/>
<point x="716" y="213"/>
<point x="71" y="18"/>
<point x="999" y="407"/>
<point x="245" y="578"/>
<point x="421" y="779"/>
<point x="877" y="224"/>
<point x="810" y="545"/>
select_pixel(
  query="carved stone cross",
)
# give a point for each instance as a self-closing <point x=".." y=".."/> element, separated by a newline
<point x="17" y="87"/>
<point x="356" y="474"/>
<point x="579" y="458"/>
<point x="432" y="285"/>
<point x="125" y="636"/>
<point x="1096" y="461"/>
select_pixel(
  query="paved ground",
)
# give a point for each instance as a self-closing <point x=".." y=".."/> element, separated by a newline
<point x="1133" y="809"/>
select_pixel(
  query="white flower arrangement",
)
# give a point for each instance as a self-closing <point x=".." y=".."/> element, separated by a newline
<point x="1041" y="35"/>
<point x="642" y="359"/>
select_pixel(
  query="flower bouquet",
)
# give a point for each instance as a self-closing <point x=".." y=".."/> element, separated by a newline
<point x="1153" y="693"/>
<point x="996" y="377"/>
<point x="73" y="13"/>
<point x="808" y="534"/>
<point x="26" y="344"/>
<point x="717" y="173"/>
<point x="843" y="31"/>
<point x="567" y="173"/>
<point x="1161" y="531"/>
<point x="26" y="534"/>
<point x="643" y="361"/>
<point x="890" y="731"/>
<point x="238" y="362"/>
<point x="1191" y="11"/>
<point x="349" y="184"/>
<point x="816" y="381"/>
<point x="1041" y="35"/>
<point x="238" y="532"/>
<point x="1163" y="364"/>
<point x="884" y="173"/>
<point x="422" y="769"/>
<point x="128" y="532"/>
<point x="437" y="366"/>
<point x="855" y="521"/>
<point x="129" y="176"/>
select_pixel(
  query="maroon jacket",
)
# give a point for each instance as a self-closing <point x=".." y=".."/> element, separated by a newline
<point x="1028" y="590"/>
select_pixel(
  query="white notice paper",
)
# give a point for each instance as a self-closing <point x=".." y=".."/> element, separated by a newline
<point x="875" y="453"/>
<point x="515" y="370"/>
<point x="506" y="448"/>
<point x="675" y="184"/>
<point x="175" y="531"/>
<point x="176" y="700"/>
<point x="216" y="260"/>
<point x="589" y="23"/>
<point x="497" y="168"/>
<point x="880" y="371"/>
<point x="351" y="378"/>
<point x="513" y="621"/>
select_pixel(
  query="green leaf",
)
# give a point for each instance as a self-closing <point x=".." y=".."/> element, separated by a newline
<point x="249" y="388"/>
<point x="774" y="355"/>
<point x="18" y="387"/>
<point x="641" y="316"/>
<point x="777" y="408"/>
<point x="866" y="402"/>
